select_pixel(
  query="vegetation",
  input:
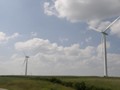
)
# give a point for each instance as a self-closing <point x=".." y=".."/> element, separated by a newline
<point x="59" y="83"/>
<point x="24" y="83"/>
<point x="76" y="85"/>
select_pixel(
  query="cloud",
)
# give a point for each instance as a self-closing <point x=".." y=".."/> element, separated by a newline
<point x="52" y="59"/>
<point x="49" y="10"/>
<point x="115" y="29"/>
<point x="98" y="25"/>
<point x="4" y="37"/>
<point x="94" y="13"/>
<point x="82" y="10"/>
<point x="35" y="43"/>
<point x="46" y="47"/>
<point x="49" y="58"/>
<point x="100" y="48"/>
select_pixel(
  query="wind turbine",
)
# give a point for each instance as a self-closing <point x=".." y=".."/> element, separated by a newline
<point x="26" y="63"/>
<point x="104" y="34"/>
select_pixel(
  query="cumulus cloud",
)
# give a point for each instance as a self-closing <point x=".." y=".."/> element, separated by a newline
<point x="100" y="48"/>
<point x="100" y="26"/>
<point x="93" y="12"/>
<point x="35" y="43"/>
<point x="51" y="58"/>
<point x="4" y="37"/>
<point x="98" y="14"/>
<point x="115" y="29"/>
<point x="82" y="10"/>
<point x="49" y="10"/>
<point x="45" y="46"/>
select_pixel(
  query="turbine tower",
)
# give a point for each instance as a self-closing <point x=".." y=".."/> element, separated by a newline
<point x="104" y="34"/>
<point x="26" y="63"/>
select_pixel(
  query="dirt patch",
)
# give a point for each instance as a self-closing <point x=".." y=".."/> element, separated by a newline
<point x="3" y="89"/>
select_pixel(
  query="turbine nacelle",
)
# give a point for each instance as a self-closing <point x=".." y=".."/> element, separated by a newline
<point x="104" y="33"/>
<point x="26" y="63"/>
<point x="27" y="57"/>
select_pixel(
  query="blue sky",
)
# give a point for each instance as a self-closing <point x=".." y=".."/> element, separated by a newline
<point x="47" y="29"/>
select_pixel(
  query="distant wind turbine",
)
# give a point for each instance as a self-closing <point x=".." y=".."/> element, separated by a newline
<point x="26" y="63"/>
<point x="104" y="33"/>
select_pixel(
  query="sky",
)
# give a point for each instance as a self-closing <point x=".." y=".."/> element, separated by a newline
<point x="58" y="36"/>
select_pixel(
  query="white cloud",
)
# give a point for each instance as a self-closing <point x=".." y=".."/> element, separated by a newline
<point x="115" y="29"/>
<point x="113" y="64"/>
<point x="90" y="11"/>
<point x="94" y="13"/>
<point x="13" y="36"/>
<point x="100" y="48"/>
<point x="49" y="58"/>
<point x="49" y="10"/>
<point x="35" y="43"/>
<point x="46" y="47"/>
<point x="4" y="37"/>
<point x="98" y="25"/>
<point x="82" y="10"/>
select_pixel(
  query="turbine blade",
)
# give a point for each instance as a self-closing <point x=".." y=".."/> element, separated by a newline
<point x="95" y="29"/>
<point x="111" y="24"/>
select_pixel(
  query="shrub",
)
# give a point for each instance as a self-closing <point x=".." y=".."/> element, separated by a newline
<point x="55" y="80"/>
<point x="67" y="84"/>
<point x="80" y="86"/>
<point x="76" y="86"/>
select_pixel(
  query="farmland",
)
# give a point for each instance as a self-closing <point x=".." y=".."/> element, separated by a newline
<point x="59" y="83"/>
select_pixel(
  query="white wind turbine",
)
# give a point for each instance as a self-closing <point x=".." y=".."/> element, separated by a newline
<point x="104" y="33"/>
<point x="26" y="63"/>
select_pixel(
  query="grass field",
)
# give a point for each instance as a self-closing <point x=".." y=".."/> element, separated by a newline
<point x="111" y="83"/>
<point x="42" y="83"/>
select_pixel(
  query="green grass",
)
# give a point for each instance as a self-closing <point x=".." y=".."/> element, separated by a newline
<point x="111" y="83"/>
<point x="40" y="83"/>
<point x="18" y="83"/>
